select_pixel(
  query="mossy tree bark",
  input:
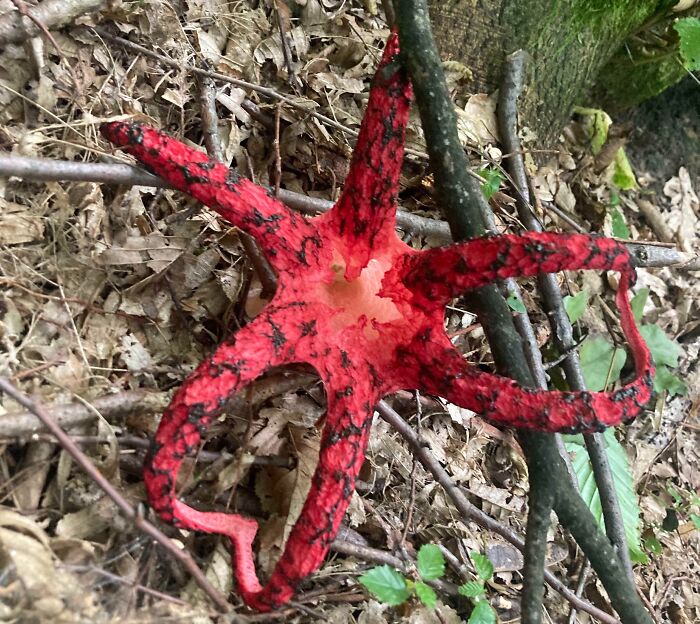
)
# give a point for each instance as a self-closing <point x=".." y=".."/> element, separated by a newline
<point x="573" y="47"/>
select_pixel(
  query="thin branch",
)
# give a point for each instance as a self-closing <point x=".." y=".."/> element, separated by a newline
<point x="584" y="571"/>
<point x="244" y="84"/>
<point x="553" y="304"/>
<point x="72" y="415"/>
<point x="282" y="16"/>
<point x="464" y="204"/>
<point x="412" y="494"/>
<point x="115" y="578"/>
<point x="471" y="513"/>
<point x="26" y="12"/>
<point x="51" y="13"/>
<point x="382" y="557"/>
<point x="212" y="142"/>
<point x="540" y="503"/>
<point x="48" y="169"/>
<point x="130" y="512"/>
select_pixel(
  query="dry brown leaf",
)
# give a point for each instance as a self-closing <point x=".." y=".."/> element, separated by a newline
<point x="477" y="123"/>
<point x="44" y="590"/>
<point x="18" y="224"/>
<point x="307" y="443"/>
<point x="321" y="82"/>
<point x="134" y="354"/>
<point x="685" y="207"/>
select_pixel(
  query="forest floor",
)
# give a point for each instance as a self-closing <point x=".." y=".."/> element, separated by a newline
<point x="108" y="300"/>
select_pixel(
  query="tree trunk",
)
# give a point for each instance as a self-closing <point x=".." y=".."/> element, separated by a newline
<point x="572" y="46"/>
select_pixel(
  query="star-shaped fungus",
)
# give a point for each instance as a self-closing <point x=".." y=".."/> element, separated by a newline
<point x="366" y="311"/>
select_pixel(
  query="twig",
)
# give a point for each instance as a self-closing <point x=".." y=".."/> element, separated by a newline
<point x="244" y="84"/>
<point x="47" y="169"/>
<point x="276" y="152"/>
<point x="657" y="221"/>
<point x="317" y="615"/>
<point x="73" y="415"/>
<point x="540" y="503"/>
<point x="121" y="580"/>
<point x="25" y="12"/>
<point x="212" y="142"/>
<point x="457" y="566"/>
<point x="254" y="111"/>
<point x="469" y="512"/>
<point x="412" y="494"/>
<point x="210" y="119"/>
<point x="208" y="457"/>
<point x="51" y="13"/>
<point x="580" y="586"/>
<point x="553" y="303"/>
<point x="382" y="557"/>
<point x="90" y="469"/>
<point x="266" y="91"/>
<point x="461" y="199"/>
<point x="282" y="20"/>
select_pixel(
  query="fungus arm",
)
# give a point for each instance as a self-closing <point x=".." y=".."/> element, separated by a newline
<point x="447" y="374"/>
<point x="265" y="343"/>
<point x="279" y="231"/>
<point x="365" y="214"/>
<point x="440" y="274"/>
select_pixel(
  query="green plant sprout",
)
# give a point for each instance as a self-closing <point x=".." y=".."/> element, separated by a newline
<point x="483" y="612"/>
<point x="492" y="181"/>
<point x="602" y="362"/>
<point x="393" y="588"/>
<point x="688" y="30"/>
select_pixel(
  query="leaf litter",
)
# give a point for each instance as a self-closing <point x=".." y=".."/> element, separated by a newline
<point x="102" y="294"/>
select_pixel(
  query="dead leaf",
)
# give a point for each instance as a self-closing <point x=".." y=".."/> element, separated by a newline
<point x="477" y="123"/>
<point x="18" y="225"/>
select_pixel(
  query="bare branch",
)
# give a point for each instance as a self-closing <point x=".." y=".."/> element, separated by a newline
<point x="51" y="13"/>
<point x="91" y="470"/>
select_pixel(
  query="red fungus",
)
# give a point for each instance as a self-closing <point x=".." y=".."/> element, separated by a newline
<point x="366" y="311"/>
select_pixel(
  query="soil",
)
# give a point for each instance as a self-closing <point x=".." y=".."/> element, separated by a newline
<point x="665" y="134"/>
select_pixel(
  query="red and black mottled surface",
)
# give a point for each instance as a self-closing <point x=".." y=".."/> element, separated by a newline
<point x="366" y="311"/>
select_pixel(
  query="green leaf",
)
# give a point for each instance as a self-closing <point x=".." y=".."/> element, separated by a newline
<point x="694" y="518"/>
<point x="483" y="613"/>
<point x="675" y="495"/>
<point x="484" y="567"/>
<point x="431" y="562"/>
<point x="664" y="349"/>
<point x="619" y="227"/>
<point x="688" y="30"/>
<point x="426" y="595"/>
<point x="472" y="589"/>
<point x="653" y="545"/>
<point x="386" y="584"/>
<point x="623" y="176"/>
<point x="492" y="181"/>
<point x="638" y="302"/>
<point x="598" y="356"/>
<point x="666" y="381"/>
<point x="516" y="304"/>
<point x="575" y="305"/>
<point x="596" y="123"/>
<point x="622" y="478"/>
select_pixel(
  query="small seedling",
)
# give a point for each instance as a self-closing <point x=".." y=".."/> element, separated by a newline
<point x="393" y="588"/>
<point x="492" y="181"/>
<point x="483" y="612"/>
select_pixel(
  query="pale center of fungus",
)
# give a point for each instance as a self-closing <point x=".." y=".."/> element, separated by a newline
<point x="358" y="298"/>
